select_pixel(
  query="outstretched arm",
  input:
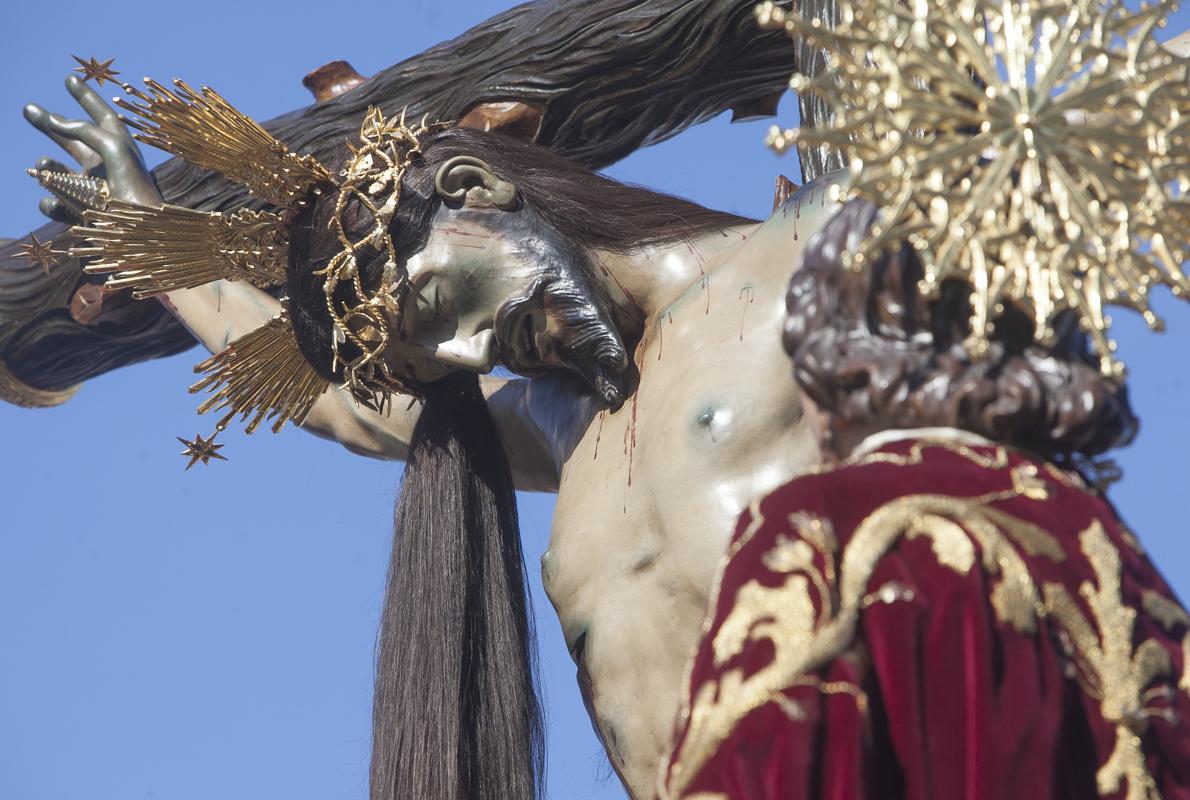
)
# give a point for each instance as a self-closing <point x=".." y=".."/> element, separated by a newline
<point x="221" y="312"/>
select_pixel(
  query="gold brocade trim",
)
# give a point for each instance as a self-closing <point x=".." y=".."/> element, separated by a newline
<point x="1170" y="616"/>
<point x="1109" y="669"/>
<point x="998" y="459"/>
<point x="755" y="525"/>
<point x="14" y="390"/>
<point x="1184" y="683"/>
<point x="1166" y="612"/>
<point x="805" y="639"/>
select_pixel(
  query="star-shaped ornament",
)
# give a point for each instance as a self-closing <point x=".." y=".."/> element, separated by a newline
<point x="201" y="449"/>
<point x="99" y="70"/>
<point x="40" y="253"/>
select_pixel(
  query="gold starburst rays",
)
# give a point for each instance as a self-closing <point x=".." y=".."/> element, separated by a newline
<point x="1038" y="150"/>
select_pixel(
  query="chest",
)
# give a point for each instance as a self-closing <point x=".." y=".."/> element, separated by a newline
<point x="652" y="491"/>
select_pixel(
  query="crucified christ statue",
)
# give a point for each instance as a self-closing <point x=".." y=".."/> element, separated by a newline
<point x="657" y="400"/>
<point x="649" y="389"/>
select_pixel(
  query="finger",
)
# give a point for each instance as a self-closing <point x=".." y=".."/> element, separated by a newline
<point x="93" y="104"/>
<point x="52" y="165"/>
<point x="77" y="130"/>
<point x="79" y="151"/>
<point x="58" y="211"/>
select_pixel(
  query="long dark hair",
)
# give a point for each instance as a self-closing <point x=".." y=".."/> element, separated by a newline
<point x="455" y="716"/>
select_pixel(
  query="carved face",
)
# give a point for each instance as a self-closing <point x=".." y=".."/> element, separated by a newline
<point x="494" y="286"/>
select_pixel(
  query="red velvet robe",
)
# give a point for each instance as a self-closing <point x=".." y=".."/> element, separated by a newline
<point x="933" y="621"/>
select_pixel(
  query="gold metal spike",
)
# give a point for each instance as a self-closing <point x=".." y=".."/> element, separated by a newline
<point x="160" y="249"/>
<point x="204" y="129"/>
<point x="261" y="375"/>
<point x="77" y="191"/>
<point x="1035" y="149"/>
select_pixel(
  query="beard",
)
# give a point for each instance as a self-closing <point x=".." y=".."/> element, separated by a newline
<point x="579" y="334"/>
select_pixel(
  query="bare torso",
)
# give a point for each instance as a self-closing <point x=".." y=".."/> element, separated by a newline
<point x="714" y="423"/>
<point x="648" y="495"/>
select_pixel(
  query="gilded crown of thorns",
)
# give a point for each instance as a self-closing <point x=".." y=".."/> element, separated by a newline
<point x="372" y="178"/>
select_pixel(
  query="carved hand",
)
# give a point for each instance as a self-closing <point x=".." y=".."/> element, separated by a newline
<point x="103" y="148"/>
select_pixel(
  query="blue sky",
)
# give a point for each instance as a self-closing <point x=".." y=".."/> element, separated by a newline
<point x="209" y="634"/>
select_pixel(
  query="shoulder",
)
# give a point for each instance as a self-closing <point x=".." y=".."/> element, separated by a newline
<point x="794" y="221"/>
<point x="540" y="421"/>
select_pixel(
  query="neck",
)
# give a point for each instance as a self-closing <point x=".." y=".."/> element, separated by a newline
<point x="642" y="283"/>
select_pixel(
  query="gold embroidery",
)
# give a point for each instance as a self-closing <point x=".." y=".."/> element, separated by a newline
<point x="1130" y="539"/>
<point x="1065" y="477"/>
<point x="788" y="555"/>
<point x="713" y="598"/>
<point x="844" y="687"/>
<point x="1027" y="482"/>
<point x="1166" y="612"/>
<point x="1170" y="616"/>
<point x="790" y="708"/>
<point x="804" y="639"/>
<point x="997" y="460"/>
<point x="889" y="593"/>
<point x="819" y="532"/>
<point x="1109" y="669"/>
<point x="1184" y="683"/>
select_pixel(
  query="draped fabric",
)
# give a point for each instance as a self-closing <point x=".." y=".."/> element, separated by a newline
<point x="933" y="621"/>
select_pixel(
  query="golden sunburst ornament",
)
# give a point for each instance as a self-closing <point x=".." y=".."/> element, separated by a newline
<point x="1038" y="150"/>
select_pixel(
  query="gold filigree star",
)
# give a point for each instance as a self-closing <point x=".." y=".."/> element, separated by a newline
<point x="1035" y="149"/>
<point x="201" y="449"/>
<point x="40" y="253"/>
<point x="99" y="70"/>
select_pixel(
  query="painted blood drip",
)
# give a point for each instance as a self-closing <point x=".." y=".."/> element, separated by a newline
<point x="630" y="431"/>
<point x="456" y="232"/>
<point x="599" y="433"/>
<point x="706" y="279"/>
<point x="661" y="333"/>
<point x="608" y="273"/>
<point x="750" y="293"/>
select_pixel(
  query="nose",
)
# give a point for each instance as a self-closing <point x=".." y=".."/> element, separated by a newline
<point x="475" y="353"/>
